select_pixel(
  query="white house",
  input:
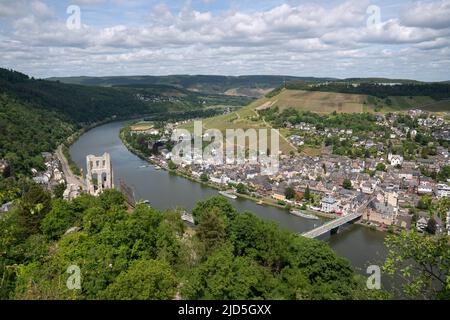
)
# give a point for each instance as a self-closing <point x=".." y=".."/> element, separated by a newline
<point x="424" y="189"/>
<point x="421" y="224"/>
<point x="443" y="190"/>
<point x="395" y="160"/>
<point x="448" y="223"/>
<point x="329" y="204"/>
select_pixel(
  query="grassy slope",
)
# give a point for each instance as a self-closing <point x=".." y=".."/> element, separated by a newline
<point x="320" y="102"/>
<point x="245" y="118"/>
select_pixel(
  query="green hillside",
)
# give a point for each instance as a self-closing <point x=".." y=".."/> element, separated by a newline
<point x="210" y="84"/>
<point x="37" y="115"/>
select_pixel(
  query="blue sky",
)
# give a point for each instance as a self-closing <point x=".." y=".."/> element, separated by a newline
<point x="304" y="38"/>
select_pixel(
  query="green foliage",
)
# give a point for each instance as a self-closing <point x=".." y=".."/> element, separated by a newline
<point x="307" y="194"/>
<point x="204" y="177"/>
<point x="424" y="202"/>
<point x="211" y="230"/>
<point x="423" y="261"/>
<point x="146" y="254"/>
<point x="144" y="280"/>
<point x="25" y="132"/>
<point x="358" y="122"/>
<point x="58" y="191"/>
<point x="222" y="207"/>
<point x="289" y="193"/>
<point x="241" y="188"/>
<point x="106" y="250"/>
<point x="444" y="173"/>
<point x="224" y="276"/>
<point x="33" y="207"/>
<point x="59" y="219"/>
<point x="73" y="166"/>
<point x="380" y="167"/>
<point x="172" y="165"/>
<point x="435" y="90"/>
<point x="347" y="184"/>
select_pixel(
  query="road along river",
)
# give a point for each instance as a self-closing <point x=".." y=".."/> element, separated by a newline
<point x="361" y="245"/>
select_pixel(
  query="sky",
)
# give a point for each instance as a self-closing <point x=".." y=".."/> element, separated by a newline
<point x="338" y="38"/>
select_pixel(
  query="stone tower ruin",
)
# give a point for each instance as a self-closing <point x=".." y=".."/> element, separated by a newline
<point x="99" y="174"/>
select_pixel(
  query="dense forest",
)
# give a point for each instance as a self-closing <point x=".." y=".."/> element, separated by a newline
<point x="363" y="122"/>
<point x="209" y="84"/>
<point x="437" y="91"/>
<point x="26" y="131"/>
<point x="37" y="115"/>
<point x="151" y="254"/>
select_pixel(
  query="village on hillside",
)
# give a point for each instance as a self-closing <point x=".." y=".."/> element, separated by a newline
<point x="400" y="188"/>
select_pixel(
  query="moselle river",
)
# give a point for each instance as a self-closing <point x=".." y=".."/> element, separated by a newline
<point x="360" y="245"/>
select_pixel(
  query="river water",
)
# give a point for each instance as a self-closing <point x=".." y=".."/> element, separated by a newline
<point x="360" y="245"/>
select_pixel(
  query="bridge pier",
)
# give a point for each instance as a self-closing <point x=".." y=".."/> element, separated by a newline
<point x="334" y="231"/>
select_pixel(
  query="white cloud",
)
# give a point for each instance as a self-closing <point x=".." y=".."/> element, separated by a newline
<point x="434" y="15"/>
<point x="308" y="39"/>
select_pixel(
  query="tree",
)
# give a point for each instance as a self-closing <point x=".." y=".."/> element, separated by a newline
<point x="347" y="184"/>
<point x="144" y="280"/>
<point x="241" y="188"/>
<point x="423" y="261"/>
<point x="34" y="206"/>
<point x="224" y="276"/>
<point x="211" y="230"/>
<point x="289" y="193"/>
<point x="380" y="167"/>
<point x="431" y="226"/>
<point x="307" y="194"/>
<point x="58" y="220"/>
<point x="59" y="190"/>
<point x="444" y="174"/>
<point x="223" y="207"/>
<point x="204" y="177"/>
<point x="172" y="165"/>
<point x="424" y="202"/>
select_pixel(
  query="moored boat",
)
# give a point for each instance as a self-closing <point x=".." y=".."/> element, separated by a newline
<point x="228" y="195"/>
<point x="303" y="215"/>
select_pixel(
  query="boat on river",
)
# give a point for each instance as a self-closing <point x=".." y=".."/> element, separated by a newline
<point x="228" y="195"/>
<point x="298" y="213"/>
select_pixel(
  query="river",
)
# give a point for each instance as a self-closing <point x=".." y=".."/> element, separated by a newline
<point x="360" y="245"/>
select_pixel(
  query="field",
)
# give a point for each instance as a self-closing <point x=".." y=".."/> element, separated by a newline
<point x="141" y="126"/>
<point x="315" y="101"/>
<point x="320" y="102"/>
<point x="245" y="118"/>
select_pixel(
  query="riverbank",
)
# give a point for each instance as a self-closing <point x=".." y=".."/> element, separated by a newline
<point x="264" y="201"/>
<point x="361" y="246"/>
<point x="76" y="135"/>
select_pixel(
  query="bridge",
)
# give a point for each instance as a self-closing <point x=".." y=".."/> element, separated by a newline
<point x="334" y="225"/>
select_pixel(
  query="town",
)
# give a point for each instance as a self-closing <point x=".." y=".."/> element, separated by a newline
<point x="399" y="187"/>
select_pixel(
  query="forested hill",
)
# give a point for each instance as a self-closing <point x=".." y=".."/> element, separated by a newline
<point x="75" y="103"/>
<point x="201" y="83"/>
<point x="437" y="91"/>
<point x="37" y="115"/>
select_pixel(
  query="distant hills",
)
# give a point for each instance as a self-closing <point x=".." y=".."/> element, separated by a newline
<point x="37" y="115"/>
<point x="247" y="85"/>
<point x="254" y="86"/>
